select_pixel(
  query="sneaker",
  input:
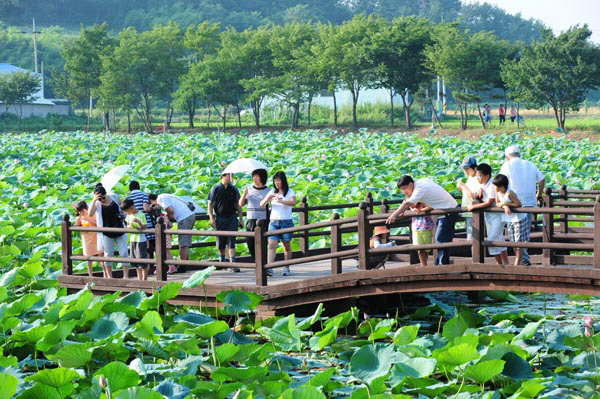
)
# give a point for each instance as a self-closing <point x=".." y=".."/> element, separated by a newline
<point x="234" y="269"/>
<point x="270" y="272"/>
<point x="286" y="271"/>
<point x="526" y="263"/>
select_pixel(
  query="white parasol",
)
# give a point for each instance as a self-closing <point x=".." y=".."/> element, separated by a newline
<point x="113" y="176"/>
<point x="244" y="165"/>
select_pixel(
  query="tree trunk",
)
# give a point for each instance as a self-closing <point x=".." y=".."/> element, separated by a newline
<point x="391" y="91"/>
<point x="89" y="115"/>
<point x="256" y="112"/>
<point x="237" y="104"/>
<point x="335" y="120"/>
<point x="128" y="122"/>
<point x="190" y="118"/>
<point x="224" y="117"/>
<point x="106" y="121"/>
<point x="309" y="105"/>
<point x="480" y="115"/>
<point x="466" y="121"/>
<point x="354" y="102"/>
<point x="518" y="119"/>
<point x="406" y="109"/>
<point x="208" y="108"/>
<point x="20" y="115"/>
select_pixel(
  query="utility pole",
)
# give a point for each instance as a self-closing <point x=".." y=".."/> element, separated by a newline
<point x="35" y="57"/>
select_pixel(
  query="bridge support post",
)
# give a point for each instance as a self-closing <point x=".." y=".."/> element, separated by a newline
<point x="67" y="246"/>
<point x="260" y="252"/>
<point x="364" y="233"/>
<point x="548" y="228"/>
<point x="597" y="233"/>
<point x="303" y="222"/>
<point x="161" y="251"/>
<point x="370" y="203"/>
<point x="478" y="250"/>
<point x="336" y="246"/>
<point x="564" y="225"/>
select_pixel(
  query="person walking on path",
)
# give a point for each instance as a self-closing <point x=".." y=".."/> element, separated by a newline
<point x="433" y="195"/>
<point x="142" y="204"/>
<point x="527" y="182"/>
<point x="501" y="115"/>
<point x="253" y="196"/>
<point x="177" y="211"/>
<point x="223" y="203"/>
<point x="282" y="199"/>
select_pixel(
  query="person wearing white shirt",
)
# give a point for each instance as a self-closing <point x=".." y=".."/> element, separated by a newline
<point x="494" y="223"/>
<point x="282" y="198"/>
<point x="469" y="189"/>
<point x="523" y="177"/>
<point x="177" y="211"/>
<point x="519" y="227"/>
<point x="433" y="195"/>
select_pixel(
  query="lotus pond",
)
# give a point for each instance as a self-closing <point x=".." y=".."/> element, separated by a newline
<point x="56" y="345"/>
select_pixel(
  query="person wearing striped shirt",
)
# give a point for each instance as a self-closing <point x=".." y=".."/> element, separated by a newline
<point x="141" y="202"/>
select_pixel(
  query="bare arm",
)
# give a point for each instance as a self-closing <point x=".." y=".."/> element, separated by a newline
<point x="240" y="214"/>
<point x="540" y="190"/>
<point x="485" y="204"/>
<point x="94" y="206"/>
<point x="146" y="206"/>
<point x="211" y="215"/>
<point x="267" y="199"/>
<point x="170" y="214"/>
<point x="290" y="202"/>
<point x="244" y="197"/>
<point x="399" y="212"/>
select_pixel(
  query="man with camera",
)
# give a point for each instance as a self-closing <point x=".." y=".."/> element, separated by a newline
<point x="178" y="211"/>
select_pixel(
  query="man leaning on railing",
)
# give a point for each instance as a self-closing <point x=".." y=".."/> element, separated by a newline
<point x="433" y="195"/>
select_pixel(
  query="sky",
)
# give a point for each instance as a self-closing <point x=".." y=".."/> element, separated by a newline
<point x="556" y="14"/>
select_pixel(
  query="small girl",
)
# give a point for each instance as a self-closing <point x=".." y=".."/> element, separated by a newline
<point x="422" y="230"/>
<point x="89" y="239"/>
<point x="518" y="227"/>
<point x="379" y="234"/>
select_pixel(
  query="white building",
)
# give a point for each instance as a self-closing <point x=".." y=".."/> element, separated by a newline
<point x="40" y="106"/>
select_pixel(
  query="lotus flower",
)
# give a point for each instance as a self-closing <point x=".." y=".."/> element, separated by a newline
<point x="44" y="188"/>
<point x="26" y="205"/>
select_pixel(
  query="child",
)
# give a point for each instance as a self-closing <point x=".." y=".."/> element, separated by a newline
<point x="422" y="231"/>
<point x="89" y="239"/>
<point x="379" y="234"/>
<point x="469" y="190"/>
<point x="137" y="242"/>
<point x="513" y="115"/>
<point x="494" y="223"/>
<point x="518" y="227"/>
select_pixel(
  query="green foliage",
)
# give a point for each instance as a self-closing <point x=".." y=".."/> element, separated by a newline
<point x="18" y="88"/>
<point x="559" y="71"/>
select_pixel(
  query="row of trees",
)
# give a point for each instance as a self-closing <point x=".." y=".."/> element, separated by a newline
<point x="16" y="89"/>
<point x="295" y="62"/>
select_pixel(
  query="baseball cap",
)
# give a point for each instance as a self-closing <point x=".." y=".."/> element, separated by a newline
<point x="512" y="150"/>
<point x="469" y="162"/>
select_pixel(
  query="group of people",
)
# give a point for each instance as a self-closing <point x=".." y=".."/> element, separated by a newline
<point x="141" y="211"/>
<point x="487" y="115"/>
<point x="518" y="185"/>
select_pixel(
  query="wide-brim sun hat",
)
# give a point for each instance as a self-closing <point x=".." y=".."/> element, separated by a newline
<point x="380" y="230"/>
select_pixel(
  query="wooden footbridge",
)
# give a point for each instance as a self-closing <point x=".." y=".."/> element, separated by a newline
<point x="565" y="255"/>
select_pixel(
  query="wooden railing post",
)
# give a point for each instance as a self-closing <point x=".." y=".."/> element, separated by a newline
<point x="385" y="208"/>
<point x="548" y="228"/>
<point x="304" y="244"/>
<point x="564" y="225"/>
<point x="161" y="250"/>
<point x="336" y="246"/>
<point x="364" y="233"/>
<point x="597" y="233"/>
<point x="67" y="246"/>
<point x="260" y="252"/>
<point x="370" y="203"/>
<point x="478" y="250"/>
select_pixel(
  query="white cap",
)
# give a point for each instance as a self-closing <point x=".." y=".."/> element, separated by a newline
<point x="512" y="150"/>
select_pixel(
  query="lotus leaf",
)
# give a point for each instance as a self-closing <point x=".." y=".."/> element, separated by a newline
<point x="119" y="376"/>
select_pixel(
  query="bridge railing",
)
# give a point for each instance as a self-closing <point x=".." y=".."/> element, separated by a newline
<point x="362" y="225"/>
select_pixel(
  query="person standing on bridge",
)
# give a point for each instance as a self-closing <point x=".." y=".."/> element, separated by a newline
<point x="523" y="177"/>
<point x="433" y="195"/>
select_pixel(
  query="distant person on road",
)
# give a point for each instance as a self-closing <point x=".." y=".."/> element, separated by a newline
<point x="501" y="115"/>
<point x="519" y="228"/>
<point x="223" y="203"/>
<point x="177" y="211"/>
<point x="253" y="196"/>
<point x="433" y="195"/>
<point x="527" y="182"/>
<point x="469" y="191"/>
<point x="282" y="199"/>
<point x="487" y="114"/>
<point x="494" y="223"/>
<point x="513" y="115"/>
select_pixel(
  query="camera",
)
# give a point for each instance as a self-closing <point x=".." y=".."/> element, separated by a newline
<point x="155" y="213"/>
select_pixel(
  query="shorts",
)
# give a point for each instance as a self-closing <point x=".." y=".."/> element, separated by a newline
<point x="281" y="224"/>
<point x="520" y="231"/>
<point x="139" y="250"/>
<point x="185" y="240"/>
<point x="512" y="118"/>
<point x="226" y="224"/>
<point x="422" y="237"/>
<point x="502" y="118"/>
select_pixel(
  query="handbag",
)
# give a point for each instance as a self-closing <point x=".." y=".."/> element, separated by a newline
<point x="190" y="205"/>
